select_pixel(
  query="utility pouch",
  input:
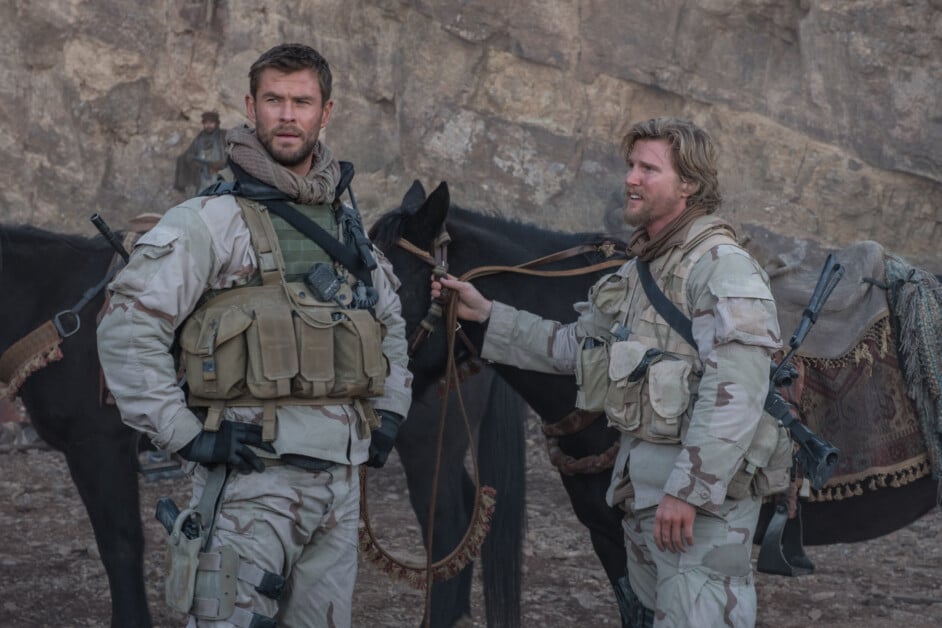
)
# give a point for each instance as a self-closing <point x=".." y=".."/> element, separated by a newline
<point x="592" y="374"/>
<point x="272" y="351"/>
<point x="766" y="467"/>
<point x="359" y="364"/>
<point x="314" y="331"/>
<point x="182" y="559"/>
<point x="213" y="352"/>
<point x="648" y="393"/>
<point x="323" y="281"/>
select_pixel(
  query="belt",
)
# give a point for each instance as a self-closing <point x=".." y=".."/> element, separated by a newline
<point x="308" y="463"/>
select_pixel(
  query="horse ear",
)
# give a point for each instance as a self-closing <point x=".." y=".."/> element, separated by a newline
<point x="438" y="202"/>
<point x="413" y="198"/>
<point x="425" y="222"/>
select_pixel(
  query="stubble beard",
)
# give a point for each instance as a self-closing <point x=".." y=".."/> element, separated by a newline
<point x="636" y="218"/>
<point x="288" y="159"/>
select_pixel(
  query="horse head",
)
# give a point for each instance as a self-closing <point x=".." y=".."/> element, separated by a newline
<point x="410" y="236"/>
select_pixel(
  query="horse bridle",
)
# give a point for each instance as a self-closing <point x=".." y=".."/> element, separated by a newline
<point x="438" y="260"/>
<point x="446" y="305"/>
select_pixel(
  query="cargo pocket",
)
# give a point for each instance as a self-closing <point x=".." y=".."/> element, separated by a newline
<point x="669" y="397"/>
<point x="272" y="352"/>
<point x="766" y="467"/>
<point x="592" y="375"/>
<point x="628" y="362"/>
<point x="314" y="331"/>
<point x="213" y="352"/>
<point x="359" y="364"/>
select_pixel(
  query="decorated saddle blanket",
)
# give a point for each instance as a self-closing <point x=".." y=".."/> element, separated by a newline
<point x="869" y="371"/>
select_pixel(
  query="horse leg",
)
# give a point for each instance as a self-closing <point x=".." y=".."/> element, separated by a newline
<point x="502" y="456"/>
<point x="416" y="445"/>
<point x="587" y="495"/>
<point x="104" y="469"/>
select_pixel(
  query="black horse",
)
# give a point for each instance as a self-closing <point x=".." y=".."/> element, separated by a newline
<point x="41" y="275"/>
<point x="477" y="240"/>
<point x="44" y="274"/>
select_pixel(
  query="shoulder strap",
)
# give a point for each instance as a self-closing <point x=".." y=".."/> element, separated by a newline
<point x="247" y="186"/>
<point x="326" y="241"/>
<point x="664" y="306"/>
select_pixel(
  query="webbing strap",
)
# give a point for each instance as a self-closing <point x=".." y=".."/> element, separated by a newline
<point x="267" y="583"/>
<point x="209" y="500"/>
<point x="664" y="306"/>
<point x="209" y="607"/>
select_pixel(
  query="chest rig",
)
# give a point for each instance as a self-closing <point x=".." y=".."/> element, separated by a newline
<point x="278" y="341"/>
<point x="653" y="372"/>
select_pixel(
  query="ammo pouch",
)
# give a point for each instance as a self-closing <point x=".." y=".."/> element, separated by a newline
<point x="257" y="342"/>
<point x="649" y="392"/>
<point x="592" y="374"/>
<point x="766" y="467"/>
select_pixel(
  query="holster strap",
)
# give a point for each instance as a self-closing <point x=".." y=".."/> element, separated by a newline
<point x="267" y="583"/>
<point x="240" y="617"/>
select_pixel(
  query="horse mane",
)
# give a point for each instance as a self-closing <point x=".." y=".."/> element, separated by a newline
<point x="388" y="228"/>
<point x="37" y="238"/>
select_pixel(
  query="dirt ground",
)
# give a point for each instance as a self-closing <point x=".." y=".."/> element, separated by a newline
<point x="51" y="575"/>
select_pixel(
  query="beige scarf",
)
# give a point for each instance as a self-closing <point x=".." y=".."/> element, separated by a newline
<point x="674" y="234"/>
<point x="316" y="187"/>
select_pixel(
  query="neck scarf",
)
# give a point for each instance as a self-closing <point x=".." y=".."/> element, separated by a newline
<point x="646" y="248"/>
<point x="316" y="187"/>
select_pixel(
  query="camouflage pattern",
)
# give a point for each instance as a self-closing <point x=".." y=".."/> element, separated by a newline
<point x="301" y="523"/>
<point x="711" y="584"/>
<point x="310" y="523"/>
<point x="202" y="245"/>
<point x="727" y="296"/>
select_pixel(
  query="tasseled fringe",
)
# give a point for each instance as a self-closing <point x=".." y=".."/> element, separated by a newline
<point x="892" y="479"/>
<point x="414" y="574"/>
<point x="10" y="389"/>
<point x="878" y="335"/>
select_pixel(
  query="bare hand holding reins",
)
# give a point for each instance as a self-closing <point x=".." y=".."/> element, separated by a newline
<point x="472" y="305"/>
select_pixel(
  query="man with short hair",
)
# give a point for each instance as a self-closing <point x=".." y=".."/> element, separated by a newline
<point x="204" y="162"/>
<point x="294" y="351"/>
<point x="688" y="405"/>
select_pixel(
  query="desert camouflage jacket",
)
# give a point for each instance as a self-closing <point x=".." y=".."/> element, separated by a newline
<point x="200" y="245"/>
<point x="726" y="295"/>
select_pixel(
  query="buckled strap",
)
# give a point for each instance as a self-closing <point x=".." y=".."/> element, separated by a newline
<point x="240" y="617"/>
<point x="267" y="583"/>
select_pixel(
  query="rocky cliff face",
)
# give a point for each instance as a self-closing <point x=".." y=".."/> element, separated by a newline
<point x="827" y="112"/>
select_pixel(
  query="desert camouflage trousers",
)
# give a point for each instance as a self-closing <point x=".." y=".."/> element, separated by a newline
<point x="709" y="585"/>
<point x="301" y="524"/>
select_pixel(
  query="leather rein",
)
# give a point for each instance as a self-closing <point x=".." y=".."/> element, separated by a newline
<point x="447" y="306"/>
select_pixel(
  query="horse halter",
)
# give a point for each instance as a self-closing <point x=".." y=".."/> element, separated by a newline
<point x="438" y="259"/>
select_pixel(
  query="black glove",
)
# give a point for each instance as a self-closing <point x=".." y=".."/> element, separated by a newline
<point x="230" y="445"/>
<point x="384" y="437"/>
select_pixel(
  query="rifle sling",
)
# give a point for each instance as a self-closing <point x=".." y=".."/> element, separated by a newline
<point x="664" y="306"/>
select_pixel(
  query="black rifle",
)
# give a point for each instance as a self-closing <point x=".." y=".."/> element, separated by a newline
<point x="112" y="239"/>
<point x="816" y="456"/>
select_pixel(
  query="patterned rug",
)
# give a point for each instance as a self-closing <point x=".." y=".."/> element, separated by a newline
<point x="859" y="402"/>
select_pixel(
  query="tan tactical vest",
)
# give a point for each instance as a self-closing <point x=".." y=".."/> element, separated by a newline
<point x="652" y="376"/>
<point x="275" y="344"/>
